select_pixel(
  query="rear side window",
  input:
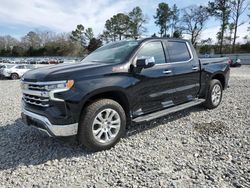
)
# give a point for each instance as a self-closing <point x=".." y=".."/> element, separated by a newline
<point x="28" y="66"/>
<point x="20" y="67"/>
<point x="178" y="51"/>
<point x="152" y="49"/>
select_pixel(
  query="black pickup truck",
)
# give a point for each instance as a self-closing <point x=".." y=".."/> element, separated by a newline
<point x="118" y="84"/>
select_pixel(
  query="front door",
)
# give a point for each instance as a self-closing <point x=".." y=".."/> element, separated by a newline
<point x="154" y="89"/>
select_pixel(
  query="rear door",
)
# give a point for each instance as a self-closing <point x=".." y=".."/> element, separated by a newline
<point x="154" y="91"/>
<point x="20" y="70"/>
<point x="186" y="71"/>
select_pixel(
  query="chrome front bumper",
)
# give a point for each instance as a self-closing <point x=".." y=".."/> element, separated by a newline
<point x="42" y="123"/>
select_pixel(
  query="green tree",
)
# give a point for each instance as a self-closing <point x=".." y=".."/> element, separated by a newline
<point x="174" y="20"/>
<point x="177" y="34"/>
<point x="122" y="25"/>
<point x="238" y="7"/>
<point x="206" y="46"/>
<point x="221" y="10"/>
<point x="105" y="36"/>
<point x="137" y="20"/>
<point x="163" y="14"/>
<point x="231" y="30"/>
<point x="193" y="22"/>
<point x="117" y="27"/>
<point x="110" y="30"/>
<point x="89" y="34"/>
<point x="78" y="35"/>
<point x="94" y="44"/>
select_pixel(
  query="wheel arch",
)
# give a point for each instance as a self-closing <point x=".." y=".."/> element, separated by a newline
<point x="221" y="78"/>
<point x="116" y="94"/>
<point x="15" y="73"/>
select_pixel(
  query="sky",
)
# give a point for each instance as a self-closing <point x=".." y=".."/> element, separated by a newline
<point x="17" y="17"/>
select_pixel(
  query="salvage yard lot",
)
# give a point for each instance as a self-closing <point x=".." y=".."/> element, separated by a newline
<point x="195" y="147"/>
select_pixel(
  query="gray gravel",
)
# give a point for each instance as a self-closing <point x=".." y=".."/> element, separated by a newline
<point x="192" y="148"/>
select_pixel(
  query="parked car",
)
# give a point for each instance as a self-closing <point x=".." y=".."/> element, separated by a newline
<point x="16" y="71"/>
<point x="237" y="63"/>
<point x="2" y="67"/>
<point x="119" y="84"/>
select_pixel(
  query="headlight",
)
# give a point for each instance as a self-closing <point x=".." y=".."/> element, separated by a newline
<point x="51" y="86"/>
<point x="64" y="85"/>
<point x="24" y="86"/>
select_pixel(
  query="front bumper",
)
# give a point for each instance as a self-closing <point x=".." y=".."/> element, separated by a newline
<point x="42" y="123"/>
<point x="5" y="74"/>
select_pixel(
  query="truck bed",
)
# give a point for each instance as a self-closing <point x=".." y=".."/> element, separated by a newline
<point x="205" y="61"/>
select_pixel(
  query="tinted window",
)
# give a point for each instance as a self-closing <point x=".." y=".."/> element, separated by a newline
<point x="178" y="51"/>
<point x="29" y="66"/>
<point x="9" y="66"/>
<point x="152" y="49"/>
<point x="20" y="67"/>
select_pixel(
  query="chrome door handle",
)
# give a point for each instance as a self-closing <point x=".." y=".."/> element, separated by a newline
<point x="167" y="71"/>
<point x="195" y="68"/>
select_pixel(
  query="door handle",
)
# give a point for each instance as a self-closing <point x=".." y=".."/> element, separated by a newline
<point x="167" y="71"/>
<point x="195" y="68"/>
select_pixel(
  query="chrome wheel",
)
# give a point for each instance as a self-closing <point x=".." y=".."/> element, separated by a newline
<point x="216" y="94"/>
<point x="106" y="126"/>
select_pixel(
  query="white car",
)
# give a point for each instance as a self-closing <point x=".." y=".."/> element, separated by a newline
<point x="15" y="71"/>
<point x="2" y="67"/>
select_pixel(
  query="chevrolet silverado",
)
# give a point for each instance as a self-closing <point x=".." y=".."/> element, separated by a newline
<point x="118" y="84"/>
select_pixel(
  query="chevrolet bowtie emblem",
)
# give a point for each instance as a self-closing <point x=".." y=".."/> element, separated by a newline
<point x="43" y="94"/>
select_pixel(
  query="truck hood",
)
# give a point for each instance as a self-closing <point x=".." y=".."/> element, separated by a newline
<point x="63" y="71"/>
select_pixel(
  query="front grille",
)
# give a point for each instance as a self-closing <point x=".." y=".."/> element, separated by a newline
<point x="36" y="94"/>
<point x="35" y="100"/>
<point x="37" y="87"/>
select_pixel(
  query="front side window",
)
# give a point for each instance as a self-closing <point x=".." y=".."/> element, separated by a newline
<point x="152" y="49"/>
<point x="178" y="51"/>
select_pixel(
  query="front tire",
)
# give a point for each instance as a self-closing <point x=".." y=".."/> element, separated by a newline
<point x="214" y="94"/>
<point x="102" y="125"/>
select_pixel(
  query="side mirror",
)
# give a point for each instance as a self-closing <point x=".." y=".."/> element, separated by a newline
<point x="145" y="62"/>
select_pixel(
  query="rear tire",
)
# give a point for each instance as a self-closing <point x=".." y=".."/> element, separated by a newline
<point x="14" y="76"/>
<point x="214" y="94"/>
<point x="102" y="125"/>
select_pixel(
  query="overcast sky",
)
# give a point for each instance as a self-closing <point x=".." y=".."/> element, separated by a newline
<point x="17" y="17"/>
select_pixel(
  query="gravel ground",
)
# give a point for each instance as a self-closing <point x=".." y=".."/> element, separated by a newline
<point x="191" y="148"/>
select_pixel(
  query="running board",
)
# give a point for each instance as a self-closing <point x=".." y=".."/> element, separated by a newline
<point x="154" y="115"/>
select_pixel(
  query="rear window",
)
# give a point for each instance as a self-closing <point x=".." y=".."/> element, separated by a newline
<point x="178" y="51"/>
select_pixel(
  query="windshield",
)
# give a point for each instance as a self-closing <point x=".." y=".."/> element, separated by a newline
<point x="115" y="52"/>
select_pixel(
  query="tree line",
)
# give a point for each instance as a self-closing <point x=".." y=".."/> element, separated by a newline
<point x="171" y="21"/>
